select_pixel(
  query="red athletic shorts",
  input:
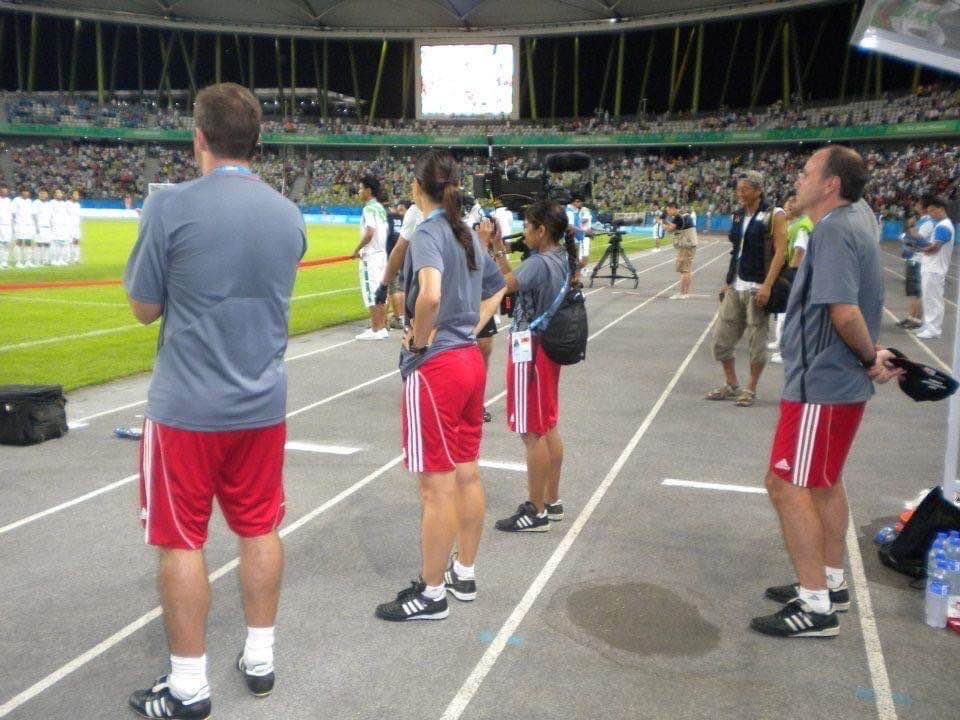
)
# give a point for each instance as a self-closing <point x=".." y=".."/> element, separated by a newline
<point x="441" y="411"/>
<point x="533" y="392"/>
<point x="181" y="471"/>
<point x="811" y="442"/>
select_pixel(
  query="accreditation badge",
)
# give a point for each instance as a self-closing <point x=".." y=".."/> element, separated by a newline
<point x="521" y="346"/>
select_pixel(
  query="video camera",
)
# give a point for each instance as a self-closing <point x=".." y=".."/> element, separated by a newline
<point x="516" y="192"/>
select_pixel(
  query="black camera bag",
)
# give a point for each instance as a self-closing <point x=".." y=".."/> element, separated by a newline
<point x="31" y="413"/>
<point x="565" y="337"/>
<point x="907" y="553"/>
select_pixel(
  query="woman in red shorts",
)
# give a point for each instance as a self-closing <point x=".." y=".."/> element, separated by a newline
<point x="446" y="273"/>
<point x="532" y="377"/>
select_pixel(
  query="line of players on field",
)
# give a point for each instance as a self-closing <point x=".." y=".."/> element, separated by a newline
<point x="41" y="231"/>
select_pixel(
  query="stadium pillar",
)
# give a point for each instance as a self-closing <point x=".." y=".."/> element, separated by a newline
<point x="618" y="92"/>
<point x="32" y="62"/>
<point x="236" y="42"/>
<point x="757" y="54"/>
<point x="140" y="62"/>
<point x="404" y="81"/>
<point x="878" y="77"/>
<point x="59" y="40"/>
<point x="98" y="37"/>
<point x="675" y="89"/>
<point x="867" y="76"/>
<point x="808" y="66"/>
<point x="74" y="49"/>
<point x="18" y="51"/>
<point x="576" y="75"/>
<point x="673" y="65"/>
<point x="646" y="72"/>
<point x="189" y="65"/>
<point x="166" y="51"/>
<point x="376" y="84"/>
<point x="279" y="67"/>
<point x="251" y="63"/>
<point x="293" y="77"/>
<point x="217" y="59"/>
<point x="795" y="56"/>
<point x="785" y="63"/>
<point x="316" y="68"/>
<point x="324" y="107"/>
<point x="697" y="70"/>
<point x="606" y="77"/>
<point x="733" y="55"/>
<point x="354" y="76"/>
<point x="766" y="65"/>
<point x="114" y="59"/>
<point x="553" y="89"/>
<point x="915" y="84"/>
<point x="531" y="89"/>
<point x="846" y="55"/>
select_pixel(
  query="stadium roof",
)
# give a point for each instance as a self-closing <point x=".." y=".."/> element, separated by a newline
<point x="405" y="18"/>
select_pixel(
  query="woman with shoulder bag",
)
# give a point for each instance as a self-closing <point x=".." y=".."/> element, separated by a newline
<point x="532" y="377"/>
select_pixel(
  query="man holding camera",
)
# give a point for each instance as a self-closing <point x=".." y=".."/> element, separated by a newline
<point x="684" y="229"/>
<point x="759" y="232"/>
<point x="216" y="258"/>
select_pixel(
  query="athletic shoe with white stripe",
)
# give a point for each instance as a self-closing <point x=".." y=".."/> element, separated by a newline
<point x="411" y="604"/>
<point x="839" y="598"/>
<point x="797" y="619"/>
<point x="525" y="519"/>
<point x="259" y="678"/>
<point x="159" y="702"/>
<point x="464" y="590"/>
<point x="554" y="512"/>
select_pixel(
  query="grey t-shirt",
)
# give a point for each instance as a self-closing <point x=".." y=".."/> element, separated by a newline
<point x="434" y="245"/>
<point x="842" y="266"/>
<point x="540" y="278"/>
<point x="220" y="254"/>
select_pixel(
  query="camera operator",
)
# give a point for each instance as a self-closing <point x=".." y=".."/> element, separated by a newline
<point x="532" y="377"/>
<point x="917" y="233"/>
<point x="446" y="275"/>
<point x="684" y="229"/>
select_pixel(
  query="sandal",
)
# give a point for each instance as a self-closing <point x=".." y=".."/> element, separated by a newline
<point x="724" y="392"/>
<point x="746" y="398"/>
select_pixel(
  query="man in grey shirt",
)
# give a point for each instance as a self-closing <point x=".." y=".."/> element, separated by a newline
<point x="216" y="258"/>
<point x="831" y="362"/>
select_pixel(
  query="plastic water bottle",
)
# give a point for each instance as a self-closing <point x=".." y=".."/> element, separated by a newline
<point x="953" y="577"/>
<point x="937" y="549"/>
<point x="886" y="535"/>
<point x="938" y="594"/>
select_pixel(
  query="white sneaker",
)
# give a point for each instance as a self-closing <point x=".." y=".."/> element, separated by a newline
<point x="773" y="345"/>
<point x="927" y="334"/>
<point x="382" y="334"/>
<point x="777" y="359"/>
<point x="676" y="296"/>
<point x="367" y="334"/>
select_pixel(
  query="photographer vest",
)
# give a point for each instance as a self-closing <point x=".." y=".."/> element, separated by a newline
<point x="747" y="257"/>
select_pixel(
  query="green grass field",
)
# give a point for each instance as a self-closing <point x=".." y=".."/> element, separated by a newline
<point x="87" y="335"/>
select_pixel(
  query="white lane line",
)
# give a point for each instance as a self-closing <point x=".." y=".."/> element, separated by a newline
<point x="137" y="403"/>
<point x="868" y="624"/>
<point x="58" y="301"/>
<point x="502" y="465"/>
<point x="645" y="270"/>
<point x="338" y="291"/>
<point x="61" y="338"/>
<point x="326" y="449"/>
<point x="68" y="503"/>
<point x="77" y="425"/>
<point x="78" y="662"/>
<point x="902" y="277"/>
<point x="673" y="482"/>
<point x="923" y="345"/>
<point x="340" y="394"/>
<point x="472" y="684"/>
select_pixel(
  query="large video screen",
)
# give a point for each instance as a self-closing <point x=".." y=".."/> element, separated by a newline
<point x="921" y="31"/>
<point x="467" y="80"/>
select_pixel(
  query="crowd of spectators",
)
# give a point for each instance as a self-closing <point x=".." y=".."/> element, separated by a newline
<point x="928" y="103"/>
<point x="627" y="181"/>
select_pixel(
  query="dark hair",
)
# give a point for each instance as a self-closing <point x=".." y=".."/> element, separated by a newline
<point x="373" y="184"/>
<point x="847" y="165"/>
<point x="553" y="217"/>
<point x="937" y="202"/>
<point x="229" y="116"/>
<point x="439" y="178"/>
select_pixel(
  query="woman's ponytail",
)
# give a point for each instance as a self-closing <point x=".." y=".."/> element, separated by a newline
<point x="439" y="178"/>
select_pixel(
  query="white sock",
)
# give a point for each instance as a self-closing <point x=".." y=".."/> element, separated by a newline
<point x="543" y="514"/>
<point x="464" y="572"/>
<point x="818" y="600"/>
<point x="258" y="650"/>
<point x="434" y="592"/>
<point x="188" y="678"/>
<point x="834" y="577"/>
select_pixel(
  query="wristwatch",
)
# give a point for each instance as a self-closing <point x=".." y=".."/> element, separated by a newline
<point x="867" y="364"/>
<point x="414" y="350"/>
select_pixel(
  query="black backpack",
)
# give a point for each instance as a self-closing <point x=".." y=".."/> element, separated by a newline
<point x="563" y="328"/>
<point x="31" y="413"/>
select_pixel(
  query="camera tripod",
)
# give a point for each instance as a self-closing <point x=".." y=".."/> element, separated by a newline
<point x="612" y="257"/>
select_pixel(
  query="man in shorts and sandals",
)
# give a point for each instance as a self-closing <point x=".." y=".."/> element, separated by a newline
<point x="216" y="258"/>
<point x="831" y="360"/>
<point x="759" y="233"/>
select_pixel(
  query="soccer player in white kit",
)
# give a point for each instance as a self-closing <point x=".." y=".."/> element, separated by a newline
<point x="6" y="226"/>
<point x="62" y="229"/>
<point x="43" y="212"/>
<point x="73" y="206"/>
<point x="24" y="228"/>
<point x="372" y="254"/>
